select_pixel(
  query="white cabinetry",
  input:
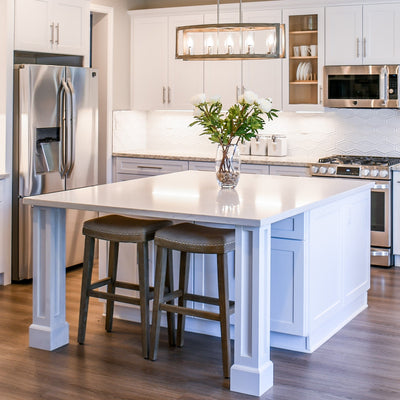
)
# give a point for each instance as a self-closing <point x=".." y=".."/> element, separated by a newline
<point x="301" y="90"/>
<point x="396" y="217"/>
<point x="159" y="81"/>
<point x="52" y="26"/>
<point x="289" y="170"/>
<point x="126" y="168"/>
<point x="223" y="78"/>
<point x="263" y="76"/>
<point x="368" y="34"/>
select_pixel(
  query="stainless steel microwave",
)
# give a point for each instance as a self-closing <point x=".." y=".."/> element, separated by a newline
<point x="361" y="86"/>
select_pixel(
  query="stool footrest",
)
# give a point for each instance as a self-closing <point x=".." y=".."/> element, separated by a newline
<point x="207" y="300"/>
<point x="190" y="311"/>
<point x="116" y="297"/>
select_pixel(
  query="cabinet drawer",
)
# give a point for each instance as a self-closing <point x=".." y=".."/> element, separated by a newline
<point x="202" y="165"/>
<point x="148" y="166"/>
<point x="289" y="228"/>
<point x="289" y="170"/>
<point x="254" y="169"/>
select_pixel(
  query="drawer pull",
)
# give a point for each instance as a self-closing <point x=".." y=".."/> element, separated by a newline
<point x="148" y="167"/>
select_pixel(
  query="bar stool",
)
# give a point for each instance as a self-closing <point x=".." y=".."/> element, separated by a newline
<point x="191" y="238"/>
<point x="116" y="229"/>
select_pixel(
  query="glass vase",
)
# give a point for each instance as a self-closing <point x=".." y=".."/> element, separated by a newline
<point x="227" y="165"/>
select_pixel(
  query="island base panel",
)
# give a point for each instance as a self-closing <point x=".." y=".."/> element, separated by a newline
<point x="45" y="338"/>
<point x="252" y="381"/>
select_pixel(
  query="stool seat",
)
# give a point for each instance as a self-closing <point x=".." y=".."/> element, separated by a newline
<point x="117" y="228"/>
<point x="193" y="238"/>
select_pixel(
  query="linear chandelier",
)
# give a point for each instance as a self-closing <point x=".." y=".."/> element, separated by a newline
<point x="230" y="41"/>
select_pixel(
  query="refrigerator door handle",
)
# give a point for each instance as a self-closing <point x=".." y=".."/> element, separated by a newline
<point x="63" y="95"/>
<point x="71" y="127"/>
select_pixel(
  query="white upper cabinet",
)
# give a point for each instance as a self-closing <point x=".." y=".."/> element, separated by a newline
<point x="149" y="63"/>
<point x="159" y="81"/>
<point x="52" y="26"/>
<point x="368" y="34"/>
<point x="263" y="76"/>
<point x="223" y="78"/>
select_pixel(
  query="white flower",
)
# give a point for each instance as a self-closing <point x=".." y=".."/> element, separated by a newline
<point x="198" y="99"/>
<point x="197" y="112"/>
<point x="214" y="99"/>
<point x="250" y="97"/>
<point x="265" y="105"/>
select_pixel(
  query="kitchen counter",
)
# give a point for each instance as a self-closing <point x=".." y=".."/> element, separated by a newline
<point x="333" y="238"/>
<point x="3" y="176"/>
<point x="194" y="156"/>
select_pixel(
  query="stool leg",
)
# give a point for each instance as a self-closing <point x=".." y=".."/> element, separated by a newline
<point x="183" y="287"/>
<point x="159" y="288"/>
<point x="223" y="293"/>
<point x="112" y="274"/>
<point x="169" y="285"/>
<point x="86" y="280"/>
<point x="143" y="264"/>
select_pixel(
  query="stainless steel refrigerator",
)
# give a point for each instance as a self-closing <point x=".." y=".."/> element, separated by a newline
<point x="55" y="148"/>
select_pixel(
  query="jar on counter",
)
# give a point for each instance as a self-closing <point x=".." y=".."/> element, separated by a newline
<point x="277" y="146"/>
<point x="258" y="146"/>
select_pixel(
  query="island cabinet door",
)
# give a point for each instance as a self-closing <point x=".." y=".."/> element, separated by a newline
<point x="287" y="286"/>
<point x="396" y="214"/>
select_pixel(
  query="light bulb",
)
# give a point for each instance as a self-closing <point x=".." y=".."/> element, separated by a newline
<point x="229" y="45"/>
<point x="249" y="44"/>
<point x="190" y="46"/>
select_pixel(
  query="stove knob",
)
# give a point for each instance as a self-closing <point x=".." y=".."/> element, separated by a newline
<point x="331" y="171"/>
<point x="383" y="173"/>
<point x="365" y="172"/>
<point x="374" y="173"/>
<point x="323" y="170"/>
<point x="314" y="169"/>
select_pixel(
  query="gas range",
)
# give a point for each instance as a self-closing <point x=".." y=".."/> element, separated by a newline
<point x="349" y="166"/>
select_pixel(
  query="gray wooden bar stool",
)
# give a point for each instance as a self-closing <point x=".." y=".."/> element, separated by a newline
<point x="191" y="238"/>
<point x="116" y="229"/>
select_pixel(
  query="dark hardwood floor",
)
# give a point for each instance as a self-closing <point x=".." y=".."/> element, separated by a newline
<point x="362" y="361"/>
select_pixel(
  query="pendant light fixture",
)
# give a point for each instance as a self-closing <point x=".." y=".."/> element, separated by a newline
<point x="235" y="41"/>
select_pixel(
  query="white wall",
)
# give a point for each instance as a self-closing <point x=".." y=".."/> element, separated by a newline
<point x="121" y="67"/>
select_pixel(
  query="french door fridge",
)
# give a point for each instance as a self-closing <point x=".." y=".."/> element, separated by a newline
<point x="55" y="148"/>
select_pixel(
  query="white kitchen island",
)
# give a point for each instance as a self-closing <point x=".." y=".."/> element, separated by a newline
<point x="334" y="226"/>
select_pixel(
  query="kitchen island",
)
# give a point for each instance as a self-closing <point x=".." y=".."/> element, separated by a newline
<point x="334" y="222"/>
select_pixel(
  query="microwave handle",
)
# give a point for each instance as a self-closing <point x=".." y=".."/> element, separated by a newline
<point x="383" y="85"/>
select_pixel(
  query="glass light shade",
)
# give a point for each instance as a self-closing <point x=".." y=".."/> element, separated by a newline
<point x="230" y="41"/>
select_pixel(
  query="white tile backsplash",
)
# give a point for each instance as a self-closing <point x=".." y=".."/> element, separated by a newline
<point x="373" y="132"/>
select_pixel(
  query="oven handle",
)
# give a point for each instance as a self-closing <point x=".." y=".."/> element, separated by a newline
<point x="380" y="253"/>
<point x="381" y="186"/>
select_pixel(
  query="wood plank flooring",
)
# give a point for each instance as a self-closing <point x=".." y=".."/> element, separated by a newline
<point x="362" y="361"/>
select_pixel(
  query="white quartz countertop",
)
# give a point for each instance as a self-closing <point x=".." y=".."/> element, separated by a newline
<point x="195" y="156"/>
<point x="3" y="175"/>
<point x="195" y="196"/>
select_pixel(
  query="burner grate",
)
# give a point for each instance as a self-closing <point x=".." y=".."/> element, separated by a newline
<point x="360" y="160"/>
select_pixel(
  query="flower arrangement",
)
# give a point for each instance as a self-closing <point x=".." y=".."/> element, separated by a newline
<point x="240" y="123"/>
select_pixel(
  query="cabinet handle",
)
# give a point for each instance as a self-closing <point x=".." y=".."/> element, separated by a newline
<point x="358" y="47"/>
<point x="163" y="94"/>
<point x="58" y="33"/>
<point x="237" y="93"/>
<point x="169" y="95"/>
<point x="320" y="94"/>
<point x="148" y="167"/>
<point x="52" y="33"/>
<point x="364" y="47"/>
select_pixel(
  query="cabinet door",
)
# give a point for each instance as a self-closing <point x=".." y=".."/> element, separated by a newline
<point x="382" y="34"/>
<point x="33" y="29"/>
<point x="185" y="78"/>
<point x="71" y="19"/>
<point x="264" y="77"/>
<point x="287" y="286"/>
<point x="289" y="170"/>
<point x="302" y="89"/>
<point x="223" y="78"/>
<point x="344" y="45"/>
<point x="149" y="63"/>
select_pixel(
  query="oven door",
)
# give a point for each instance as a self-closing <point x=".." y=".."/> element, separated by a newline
<point x="381" y="240"/>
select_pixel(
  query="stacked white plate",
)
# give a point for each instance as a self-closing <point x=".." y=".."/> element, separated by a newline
<point x="304" y="71"/>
